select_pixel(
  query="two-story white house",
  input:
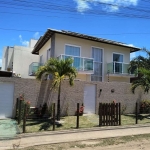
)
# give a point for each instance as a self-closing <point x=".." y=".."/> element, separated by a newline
<point x="17" y="59"/>
<point x="96" y="59"/>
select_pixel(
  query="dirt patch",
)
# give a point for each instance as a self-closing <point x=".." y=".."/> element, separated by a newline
<point x="142" y="145"/>
<point x="90" y="142"/>
<point x="137" y="142"/>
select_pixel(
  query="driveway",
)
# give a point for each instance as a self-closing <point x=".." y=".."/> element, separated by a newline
<point x="8" y="128"/>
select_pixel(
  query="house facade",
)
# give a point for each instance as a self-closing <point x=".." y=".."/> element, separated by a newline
<point x="96" y="59"/>
<point x="18" y="58"/>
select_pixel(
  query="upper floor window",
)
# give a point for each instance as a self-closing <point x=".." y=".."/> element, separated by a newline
<point x="117" y="63"/>
<point x="117" y="57"/>
<point x="97" y="55"/>
<point x="72" y="50"/>
<point x="48" y="54"/>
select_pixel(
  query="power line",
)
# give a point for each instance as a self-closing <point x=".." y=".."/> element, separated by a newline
<point x="12" y="13"/>
<point x="66" y="8"/>
<point x="20" y="30"/>
<point x="50" y="12"/>
<point x="90" y="33"/>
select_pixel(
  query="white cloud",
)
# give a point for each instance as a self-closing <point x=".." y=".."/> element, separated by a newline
<point x="130" y="45"/>
<point x="36" y="35"/>
<point x="82" y="5"/>
<point x="109" y="5"/>
<point x="0" y="62"/>
<point x="111" y="8"/>
<point x="23" y="42"/>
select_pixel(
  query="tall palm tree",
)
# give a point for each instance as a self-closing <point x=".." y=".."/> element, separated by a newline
<point x="142" y="65"/>
<point x="58" y="69"/>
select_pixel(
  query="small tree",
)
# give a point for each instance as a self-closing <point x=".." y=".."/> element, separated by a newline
<point x="143" y="81"/>
<point x="58" y="69"/>
<point x="143" y="71"/>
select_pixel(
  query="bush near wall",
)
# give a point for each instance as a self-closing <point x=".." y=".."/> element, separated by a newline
<point x="145" y="106"/>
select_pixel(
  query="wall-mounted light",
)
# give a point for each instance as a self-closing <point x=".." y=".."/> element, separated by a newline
<point x="112" y="90"/>
<point x="100" y="91"/>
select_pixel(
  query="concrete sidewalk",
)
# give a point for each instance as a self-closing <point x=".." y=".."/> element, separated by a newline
<point x="31" y="139"/>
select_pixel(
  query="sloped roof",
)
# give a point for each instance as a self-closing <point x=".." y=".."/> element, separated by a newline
<point x="49" y="33"/>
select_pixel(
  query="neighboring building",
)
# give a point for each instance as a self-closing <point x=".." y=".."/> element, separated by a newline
<point x="18" y="59"/>
<point x="96" y="59"/>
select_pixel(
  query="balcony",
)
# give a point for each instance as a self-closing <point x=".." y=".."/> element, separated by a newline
<point x="33" y="67"/>
<point x="82" y="64"/>
<point x="118" y="69"/>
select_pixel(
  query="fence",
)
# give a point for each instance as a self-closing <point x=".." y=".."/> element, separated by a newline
<point x="22" y="110"/>
<point x="109" y="114"/>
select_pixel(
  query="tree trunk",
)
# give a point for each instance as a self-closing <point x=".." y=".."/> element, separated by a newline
<point x="58" y="103"/>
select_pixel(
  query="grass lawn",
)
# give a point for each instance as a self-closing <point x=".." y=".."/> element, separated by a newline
<point x="69" y="122"/>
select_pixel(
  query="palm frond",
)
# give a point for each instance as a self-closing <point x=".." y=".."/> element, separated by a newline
<point x="59" y="69"/>
<point x="40" y="72"/>
<point x="143" y="81"/>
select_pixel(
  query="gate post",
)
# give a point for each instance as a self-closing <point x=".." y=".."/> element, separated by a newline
<point x="100" y="114"/>
<point x="119" y="113"/>
<point x="24" y="118"/>
<point x="53" y="116"/>
<point x="117" y="123"/>
<point x="77" y="125"/>
<point x="136" y="121"/>
<point x="19" y="111"/>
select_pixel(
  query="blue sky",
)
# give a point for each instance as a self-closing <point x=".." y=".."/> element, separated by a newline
<point x="126" y="21"/>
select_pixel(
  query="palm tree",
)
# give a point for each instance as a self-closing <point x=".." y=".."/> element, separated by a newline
<point x="140" y="61"/>
<point x="142" y="65"/>
<point x="58" y="69"/>
<point x="143" y="81"/>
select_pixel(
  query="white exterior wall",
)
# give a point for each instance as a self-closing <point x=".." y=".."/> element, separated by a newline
<point x="10" y="57"/>
<point x="43" y="50"/>
<point x="86" y="51"/>
<point x="7" y="58"/>
<point x="22" y="59"/>
<point x="86" y="48"/>
<point x="4" y="59"/>
<point x="32" y="43"/>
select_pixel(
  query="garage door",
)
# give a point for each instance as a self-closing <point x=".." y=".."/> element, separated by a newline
<point x="89" y="98"/>
<point x="6" y="100"/>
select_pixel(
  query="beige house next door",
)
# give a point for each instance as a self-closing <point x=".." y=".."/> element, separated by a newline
<point x="89" y="98"/>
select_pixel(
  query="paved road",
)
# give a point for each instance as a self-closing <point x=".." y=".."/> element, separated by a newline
<point x="26" y="140"/>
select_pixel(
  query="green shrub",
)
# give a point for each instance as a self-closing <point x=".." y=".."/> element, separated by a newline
<point x="145" y="106"/>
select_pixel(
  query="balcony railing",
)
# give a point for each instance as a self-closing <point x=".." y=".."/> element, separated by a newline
<point x="118" y="68"/>
<point x="82" y="64"/>
<point x="33" y="67"/>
